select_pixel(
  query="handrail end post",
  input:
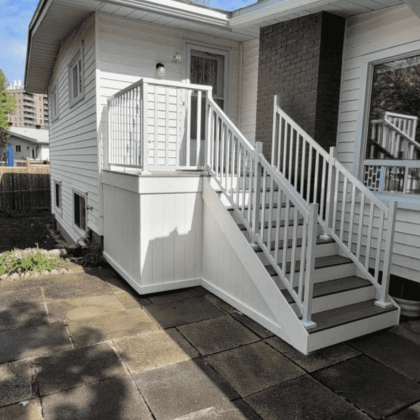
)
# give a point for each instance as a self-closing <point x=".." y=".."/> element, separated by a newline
<point x="383" y="304"/>
<point x="257" y="195"/>
<point x="309" y="324"/>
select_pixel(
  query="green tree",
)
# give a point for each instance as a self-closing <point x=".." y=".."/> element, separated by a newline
<point x="7" y="105"/>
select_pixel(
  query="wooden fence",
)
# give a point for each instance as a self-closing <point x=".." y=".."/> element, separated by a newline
<point x="25" y="187"/>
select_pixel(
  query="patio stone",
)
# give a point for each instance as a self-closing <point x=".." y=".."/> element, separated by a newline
<point x="21" y="296"/>
<point x="279" y="344"/>
<point x="252" y="325"/>
<point x="155" y="350"/>
<point x="218" y="334"/>
<point x="254" y="367"/>
<point x="83" y="307"/>
<point x="101" y="273"/>
<point x="34" y="341"/>
<point x="410" y="330"/>
<point x="116" y="398"/>
<point x="220" y="303"/>
<point x="26" y="284"/>
<point x="371" y="386"/>
<point x="234" y="410"/>
<point x="322" y="358"/>
<point x="183" y="312"/>
<point x="200" y="290"/>
<point x="117" y="284"/>
<point x="410" y="413"/>
<point x="173" y="296"/>
<point x="302" y="399"/>
<point x="177" y="390"/>
<point x="74" y="368"/>
<point x="393" y="351"/>
<point x="131" y="300"/>
<point x="75" y="289"/>
<point x="110" y="325"/>
<point x="21" y="316"/>
<point x="25" y="410"/>
<point x="15" y="382"/>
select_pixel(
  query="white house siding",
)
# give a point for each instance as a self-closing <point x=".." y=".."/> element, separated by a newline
<point x="73" y="137"/>
<point x="129" y="50"/>
<point x="248" y="116"/>
<point x="26" y="148"/>
<point x="381" y="33"/>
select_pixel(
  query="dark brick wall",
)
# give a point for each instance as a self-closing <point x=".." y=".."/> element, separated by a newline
<point x="300" y="60"/>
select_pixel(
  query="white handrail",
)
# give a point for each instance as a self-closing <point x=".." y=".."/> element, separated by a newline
<point x="342" y="198"/>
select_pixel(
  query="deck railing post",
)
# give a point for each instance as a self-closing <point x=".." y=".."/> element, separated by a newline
<point x="144" y="135"/>
<point x="310" y="267"/>
<point x="107" y="154"/>
<point x="274" y="141"/>
<point x="386" y="270"/>
<point x="257" y="193"/>
<point x="330" y="188"/>
<point x="207" y="146"/>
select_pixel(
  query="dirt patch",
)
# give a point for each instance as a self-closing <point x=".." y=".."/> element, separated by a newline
<point x="25" y="230"/>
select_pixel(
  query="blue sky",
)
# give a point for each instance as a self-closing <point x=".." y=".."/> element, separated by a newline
<point x="14" y="20"/>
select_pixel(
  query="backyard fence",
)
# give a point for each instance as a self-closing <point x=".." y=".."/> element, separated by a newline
<point x="25" y="187"/>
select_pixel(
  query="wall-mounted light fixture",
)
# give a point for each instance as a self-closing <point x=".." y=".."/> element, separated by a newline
<point x="177" y="57"/>
<point x="160" y="70"/>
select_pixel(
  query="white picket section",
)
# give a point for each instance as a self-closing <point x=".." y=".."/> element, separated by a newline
<point x="342" y="199"/>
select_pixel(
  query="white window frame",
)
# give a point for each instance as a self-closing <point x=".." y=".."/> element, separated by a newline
<point x="20" y="148"/>
<point x="58" y="209"/>
<point x="54" y="114"/>
<point x="80" y="69"/>
<point x="212" y="49"/>
<point x="405" y="201"/>
<point x="85" y="196"/>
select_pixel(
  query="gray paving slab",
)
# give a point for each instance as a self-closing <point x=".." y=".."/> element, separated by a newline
<point x="116" y="398"/>
<point x="22" y="315"/>
<point x="369" y="385"/>
<point x="218" y="334"/>
<point x="184" y="388"/>
<point x="322" y="358"/>
<point x="34" y="341"/>
<point x="74" y="368"/>
<point x="234" y="410"/>
<point x="254" y="367"/>
<point x="252" y="325"/>
<point x="410" y="330"/>
<point x="101" y="273"/>
<point x="302" y="399"/>
<point x="155" y="350"/>
<point x="173" y="296"/>
<point x="220" y="303"/>
<point x="110" y="325"/>
<point x="62" y="310"/>
<point x="75" y="289"/>
<point x="21" y="296"/>
<point x="279" y="344"/>
<point x="183" y="312"/>
<point x="117" y="284"/>
<point x="16" y="382"/>
<point x="393" y="351"/>
<point x="410" y="413"/>
<point x="25" y="410"/>
<point x="131" y="300"/>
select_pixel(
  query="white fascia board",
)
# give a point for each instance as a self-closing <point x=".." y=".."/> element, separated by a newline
<point x="414" y="5"/>
<point x="260" y="11"/>
<point x="177" y="9"/>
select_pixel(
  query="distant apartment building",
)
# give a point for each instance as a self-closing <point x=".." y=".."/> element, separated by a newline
<point x="31" y="109"/>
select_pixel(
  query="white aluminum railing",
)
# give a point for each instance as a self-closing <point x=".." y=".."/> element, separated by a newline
<point x="267" y="204"/>
<point x="348" y="211"/>
<point x="157" y="125"/>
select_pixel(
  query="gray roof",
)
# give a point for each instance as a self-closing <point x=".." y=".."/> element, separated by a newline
<point x="37" y="135"/>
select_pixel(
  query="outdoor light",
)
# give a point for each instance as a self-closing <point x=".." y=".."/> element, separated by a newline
<point x="177" y="57"/>
<point x="160" y="70"/>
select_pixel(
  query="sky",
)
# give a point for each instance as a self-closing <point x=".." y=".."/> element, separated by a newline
<point x="14" y="21"/>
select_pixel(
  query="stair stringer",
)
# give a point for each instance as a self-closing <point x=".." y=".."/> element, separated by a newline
<point x="233" y="272"/>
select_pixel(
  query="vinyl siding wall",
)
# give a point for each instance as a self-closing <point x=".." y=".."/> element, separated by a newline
<point x="73" y="137"/>
<point x="368" y="37"/>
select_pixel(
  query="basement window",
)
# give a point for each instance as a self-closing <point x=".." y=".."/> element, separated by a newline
<point x="57" y="196"/>
<point x="76" y="78"/>
<point x="54" y="103"/>
<point x="79" y="210"/>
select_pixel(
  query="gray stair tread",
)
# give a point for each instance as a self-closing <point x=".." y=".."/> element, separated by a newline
<point x="347" y="314"/>
<point x="319" y="241"/>
<point x="267" y="206"/>
<point x="273" y="225"/>
<point x="331" y="287"/>
<point x="320" y="262"/>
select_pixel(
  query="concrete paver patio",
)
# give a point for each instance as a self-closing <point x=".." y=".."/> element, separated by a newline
<point x="86" y="346"/>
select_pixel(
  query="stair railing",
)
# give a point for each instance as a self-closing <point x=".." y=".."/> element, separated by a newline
<point x="348" y="211"/>
<point x="271" y="211"/>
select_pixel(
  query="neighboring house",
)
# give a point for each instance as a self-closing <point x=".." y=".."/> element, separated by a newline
<point x="143" y="97"/>
<point x="29" y="143"/>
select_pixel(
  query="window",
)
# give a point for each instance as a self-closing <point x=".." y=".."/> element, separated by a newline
<point x="18" y="148"/>
<point x="57" y="194"/>
<point x="76" y="78"/>
<point x="392" y="157"/>
<point x="79" y="210"/>
<point x="54" y="103"/>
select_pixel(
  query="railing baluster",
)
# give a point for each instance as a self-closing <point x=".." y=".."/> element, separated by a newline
<point x="360" y="228"/>
<point x="323" y="188"/>
<point x="270" y="212"/>
<point x="257" y="194"/>
<point x="222" y="151"/>
<point x="295" y="183"/>
<point x="289" y="177"/>
<point x="353" y="202"/>
<point x="250" y="185"/>
<point x="280" y="133"/>
<point x="315" y="196"/>
<point x="369" y="238"/>
<point x="303" y="253"/>
<point x="335" y="199"/>
<point x="199" y="123"/>
<point x="303" y="176"/>
<point x="263" y="199"/>
<point x="379" y="245"/>
<point x="294" y="245"/>
<point x="285" y="235"/>
<point x="343" y="209"/>
<point x="278" y="220"/>
<point x="285" y="142"/>
<point x="309" y="179"/>
<point x="244" y="167"/>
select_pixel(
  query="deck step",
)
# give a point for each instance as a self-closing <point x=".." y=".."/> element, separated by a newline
<point x="346" y="315"/>
<point x="320" y="262"/>
<point x="332" y="287"/>
<point x="273" y="224"/>
<point x="319" y="241"/>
